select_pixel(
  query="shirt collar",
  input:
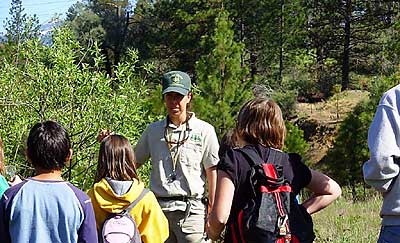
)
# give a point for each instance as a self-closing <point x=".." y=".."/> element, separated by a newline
<point x="171" y="125"/>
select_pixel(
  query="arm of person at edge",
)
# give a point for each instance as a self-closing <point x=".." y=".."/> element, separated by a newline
<point x="325" y="191"/>
<point x="222" y="206"/>
<point x="383" y="142"/>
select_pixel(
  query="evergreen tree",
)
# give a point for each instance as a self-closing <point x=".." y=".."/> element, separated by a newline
<point x="141" y="27"/>
<point x="105" y="21"/>
<point x="221" y="78"/>
<point x="20" y="27"/>
<point x="87" y="28"/>
<point x="389" y="56"/>
<point x="348" y="32"/>
<point x="170" y="32"/>
<point x="85" y="23"/>
<point x="272" y="31"/>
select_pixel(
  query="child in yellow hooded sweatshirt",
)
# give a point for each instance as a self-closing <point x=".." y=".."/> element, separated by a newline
<point x="117" y="186"/>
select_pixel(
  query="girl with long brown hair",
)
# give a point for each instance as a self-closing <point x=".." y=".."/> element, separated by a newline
<point x="260" y="128"/>
<point x="117" y="185"/>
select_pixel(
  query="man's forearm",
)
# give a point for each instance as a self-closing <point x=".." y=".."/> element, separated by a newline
<point x="211" y="174"/>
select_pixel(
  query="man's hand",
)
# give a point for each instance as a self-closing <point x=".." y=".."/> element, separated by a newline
<point x="104" y="134"/>
<point x="15" y="180"/>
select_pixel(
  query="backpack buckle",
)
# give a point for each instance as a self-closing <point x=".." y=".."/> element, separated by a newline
<point x="282" y="223"/>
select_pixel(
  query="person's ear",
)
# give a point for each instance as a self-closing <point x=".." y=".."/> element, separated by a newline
<point x="69" y="156"/>
<point x="27" y="157"/>
<point x="189" y="96"/>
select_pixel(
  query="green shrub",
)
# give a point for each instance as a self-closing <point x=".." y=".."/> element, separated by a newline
<point x="40" y="83"/>
<point x="286" y="100"/>
<point x="295" y="142"/>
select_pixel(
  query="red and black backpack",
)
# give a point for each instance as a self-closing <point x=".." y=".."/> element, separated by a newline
<point x="272" y="214"/>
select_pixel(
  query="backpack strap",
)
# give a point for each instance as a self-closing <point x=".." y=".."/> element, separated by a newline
<point x="274" y="156"/>
<point x="133" y="204"/>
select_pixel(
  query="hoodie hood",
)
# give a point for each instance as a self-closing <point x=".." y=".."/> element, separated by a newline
<point x="104" y="196"/>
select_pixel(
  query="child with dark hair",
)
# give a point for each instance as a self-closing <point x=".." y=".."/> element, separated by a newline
<point x="45" y="208"/>
<point x="117" y="185"/>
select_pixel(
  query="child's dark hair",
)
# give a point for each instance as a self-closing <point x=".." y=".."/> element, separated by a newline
<point x="116" y="159"/>
<point x="48" y="146"/>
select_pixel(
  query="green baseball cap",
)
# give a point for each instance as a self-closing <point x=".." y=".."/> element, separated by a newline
<point x="176" y="81"/>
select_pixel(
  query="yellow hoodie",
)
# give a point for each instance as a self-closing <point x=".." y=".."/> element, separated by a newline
<point x="151" y="221"/>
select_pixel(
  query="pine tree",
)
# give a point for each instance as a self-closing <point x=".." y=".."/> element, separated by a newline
<point x="169" y="32"/>
<point x="20" y="27"/>
<point x="348" y="33"/>
<point x="272" y="31"/>
<point x="221" y="78"/>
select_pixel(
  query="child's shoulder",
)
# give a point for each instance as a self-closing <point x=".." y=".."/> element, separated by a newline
<point x="78" y="192"/>
<point x="11" y="192"/>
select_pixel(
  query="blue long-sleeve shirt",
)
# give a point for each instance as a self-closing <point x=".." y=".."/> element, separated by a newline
<point x="38" y="211"/>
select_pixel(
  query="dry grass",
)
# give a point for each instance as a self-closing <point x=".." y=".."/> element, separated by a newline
<point x="348" y="222"/>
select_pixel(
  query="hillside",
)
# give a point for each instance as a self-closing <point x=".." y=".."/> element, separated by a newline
<point x="320" y="120"/>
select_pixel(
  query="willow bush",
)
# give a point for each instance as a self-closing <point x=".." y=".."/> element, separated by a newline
<point x="39" y="83"/>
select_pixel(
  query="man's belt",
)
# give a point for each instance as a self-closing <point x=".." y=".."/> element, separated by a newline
<point x="183" y="199"/>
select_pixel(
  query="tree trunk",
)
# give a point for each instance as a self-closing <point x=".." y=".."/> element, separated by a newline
<point x="346" y="45"/>
<point x="241" y="34"/>
<point x="281" y="43"/>
<point x="253" y="66"/>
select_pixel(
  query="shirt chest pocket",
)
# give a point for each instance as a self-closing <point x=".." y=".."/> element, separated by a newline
<point x="191" y="156"/>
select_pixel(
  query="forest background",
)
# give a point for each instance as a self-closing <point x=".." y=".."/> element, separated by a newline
<point x="102" y="68"/>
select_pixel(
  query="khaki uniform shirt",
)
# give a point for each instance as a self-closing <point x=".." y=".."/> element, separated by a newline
<point x="198" y="152"/>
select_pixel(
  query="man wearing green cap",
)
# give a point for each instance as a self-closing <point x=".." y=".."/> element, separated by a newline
<point x="184" y="152"/>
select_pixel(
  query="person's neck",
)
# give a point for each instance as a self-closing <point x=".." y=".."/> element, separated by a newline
<point x="177" y="121"/>
<point x="241" y="142"/>
<point x="48" y="175"/>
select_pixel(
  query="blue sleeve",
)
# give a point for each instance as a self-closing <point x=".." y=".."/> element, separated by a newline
<point x="5" y="202"/>
<point x="229" y="164"/>
<point x="88" y="232"/>
<point x="301" y="173"/>
<point x="4" y="221"/>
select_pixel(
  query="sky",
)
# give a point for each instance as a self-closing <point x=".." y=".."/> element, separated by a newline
<point x="44" y="9"/>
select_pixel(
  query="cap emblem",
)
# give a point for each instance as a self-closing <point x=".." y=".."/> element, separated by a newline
<point x="176" y="78"/>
